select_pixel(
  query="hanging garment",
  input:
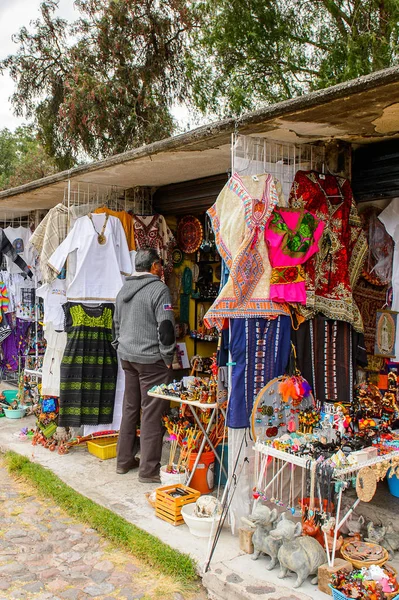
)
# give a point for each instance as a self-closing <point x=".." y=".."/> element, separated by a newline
<point x="239" y="218"/>
<point x="328" y="352"/>
<point x="118" y="406"/>
<point x="14" y="345"/>
<point x="4" y="298"/>
<point x="390" y="218"/>
<point x="54" y="296"/>
<point x="7" y="249"/>
<point x="332" y="273"/>
<point x="48" y="235"/>
<point x="13" y="284"/>
<point x="100" y="261"/>
<point x="370" y="298"/>
<point x="25" y="299"/>
<point x="20" y="240"/>
<point x="292" y="237"/>
<point x="153" y="232"/>
<point x="56" y="342"/>
<point x="260" y="351"/>
<point x="89" y="366"/>
<point x="125" y="219"/>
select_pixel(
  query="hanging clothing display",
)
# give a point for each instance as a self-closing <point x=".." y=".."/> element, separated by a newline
<point x="13" y="257"/>
<point x="152" y="232"/>
<point x="292" y="237"/>
<point x="125" y="219"/>
<point x="332" y="273"/>
<point x="89" y="366"/>
<point x="20" y="240"/>
<point x="25" y="300"/>
<point x="56" y="342"/>
<point x="370" y="298"/>
<point x="390" y="218"/>
<point x="54" y="296"/>
<point x="102" y="256"/>
<point x="260" y="351"/>
<point x="239" y="218"/>
<point x="48" y="235"/>
<point x="328" y="352"/>
<point x="4" y="298"/>
<point x="15" y="344"/>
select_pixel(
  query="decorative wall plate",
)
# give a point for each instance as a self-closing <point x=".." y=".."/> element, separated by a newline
<point x="177" y="257"/>
<point x="189" y="234"/>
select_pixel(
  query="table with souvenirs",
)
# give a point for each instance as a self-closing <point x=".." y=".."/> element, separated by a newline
<point x="308" y="454"/>
<point x="199" y="423"/>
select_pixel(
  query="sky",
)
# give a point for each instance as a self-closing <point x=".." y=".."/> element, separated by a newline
<point x="15" y="14"/>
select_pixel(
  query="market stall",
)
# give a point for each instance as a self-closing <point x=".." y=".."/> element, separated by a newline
<point x="283" y="277"/>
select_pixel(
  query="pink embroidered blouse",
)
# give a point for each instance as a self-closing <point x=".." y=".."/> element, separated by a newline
<point x="292" y="236"/>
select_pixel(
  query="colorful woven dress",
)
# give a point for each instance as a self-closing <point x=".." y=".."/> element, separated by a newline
<point x="89" y="366"/>
<point x="292" y="237"/>
<point x="239" y="218"/>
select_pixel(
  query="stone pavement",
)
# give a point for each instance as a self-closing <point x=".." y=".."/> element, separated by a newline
<point x="46" y="555"/>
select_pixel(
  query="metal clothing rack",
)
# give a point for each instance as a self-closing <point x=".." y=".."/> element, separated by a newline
<point x="137" y="200"/>
<point x="256" y="155"/>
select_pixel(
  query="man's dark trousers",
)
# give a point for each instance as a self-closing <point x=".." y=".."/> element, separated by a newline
<point x="139" y="379"/>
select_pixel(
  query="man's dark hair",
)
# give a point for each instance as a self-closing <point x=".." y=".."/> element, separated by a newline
<point x="145" y="258"/>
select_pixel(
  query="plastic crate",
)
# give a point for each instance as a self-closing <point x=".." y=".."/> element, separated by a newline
<point x="103" y="448"/>
<point x="169" y="507"/>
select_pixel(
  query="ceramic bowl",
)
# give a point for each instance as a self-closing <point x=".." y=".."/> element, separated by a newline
<point x="199" y="526"/>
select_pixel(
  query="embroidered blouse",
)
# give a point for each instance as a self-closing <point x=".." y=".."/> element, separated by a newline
<point x="332" y="273"/>
<point x="153" y="232"/>
<point x="239" y="218"/>
<point x="292" y="237"/>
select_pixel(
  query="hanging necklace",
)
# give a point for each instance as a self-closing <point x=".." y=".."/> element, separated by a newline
<point x="101" y="238"/>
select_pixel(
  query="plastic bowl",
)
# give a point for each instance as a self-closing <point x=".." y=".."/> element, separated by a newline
<point x="10" y="395"/>
<point x="15" y="414"/>
<point x="199" y="526"/>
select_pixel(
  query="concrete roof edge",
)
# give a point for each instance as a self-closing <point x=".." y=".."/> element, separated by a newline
<point x="316" y="98"/>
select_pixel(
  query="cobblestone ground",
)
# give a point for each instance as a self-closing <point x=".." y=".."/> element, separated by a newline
<point x="46" y="555"/>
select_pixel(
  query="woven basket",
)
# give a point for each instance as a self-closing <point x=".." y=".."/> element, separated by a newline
<point x="148" y="497"/>
<point x="359" y="564"/>
<point x="338" y="595"/>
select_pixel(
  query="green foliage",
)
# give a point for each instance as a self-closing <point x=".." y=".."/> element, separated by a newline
<point x="22" y="157"/>
<point x="257" y="51"/>
<point x="105" y="83"/>
<point x="116" y="529"/>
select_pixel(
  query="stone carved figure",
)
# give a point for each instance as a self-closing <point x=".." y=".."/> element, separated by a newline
<point x="385" y="536"/>
<point x="298" y="553"/>
<point x="263" y="520"/>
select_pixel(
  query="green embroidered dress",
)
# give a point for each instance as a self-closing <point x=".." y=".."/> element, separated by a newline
<point x="89" y="366"/>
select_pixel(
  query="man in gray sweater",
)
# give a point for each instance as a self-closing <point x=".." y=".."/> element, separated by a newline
<point x="145" y="340"/>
